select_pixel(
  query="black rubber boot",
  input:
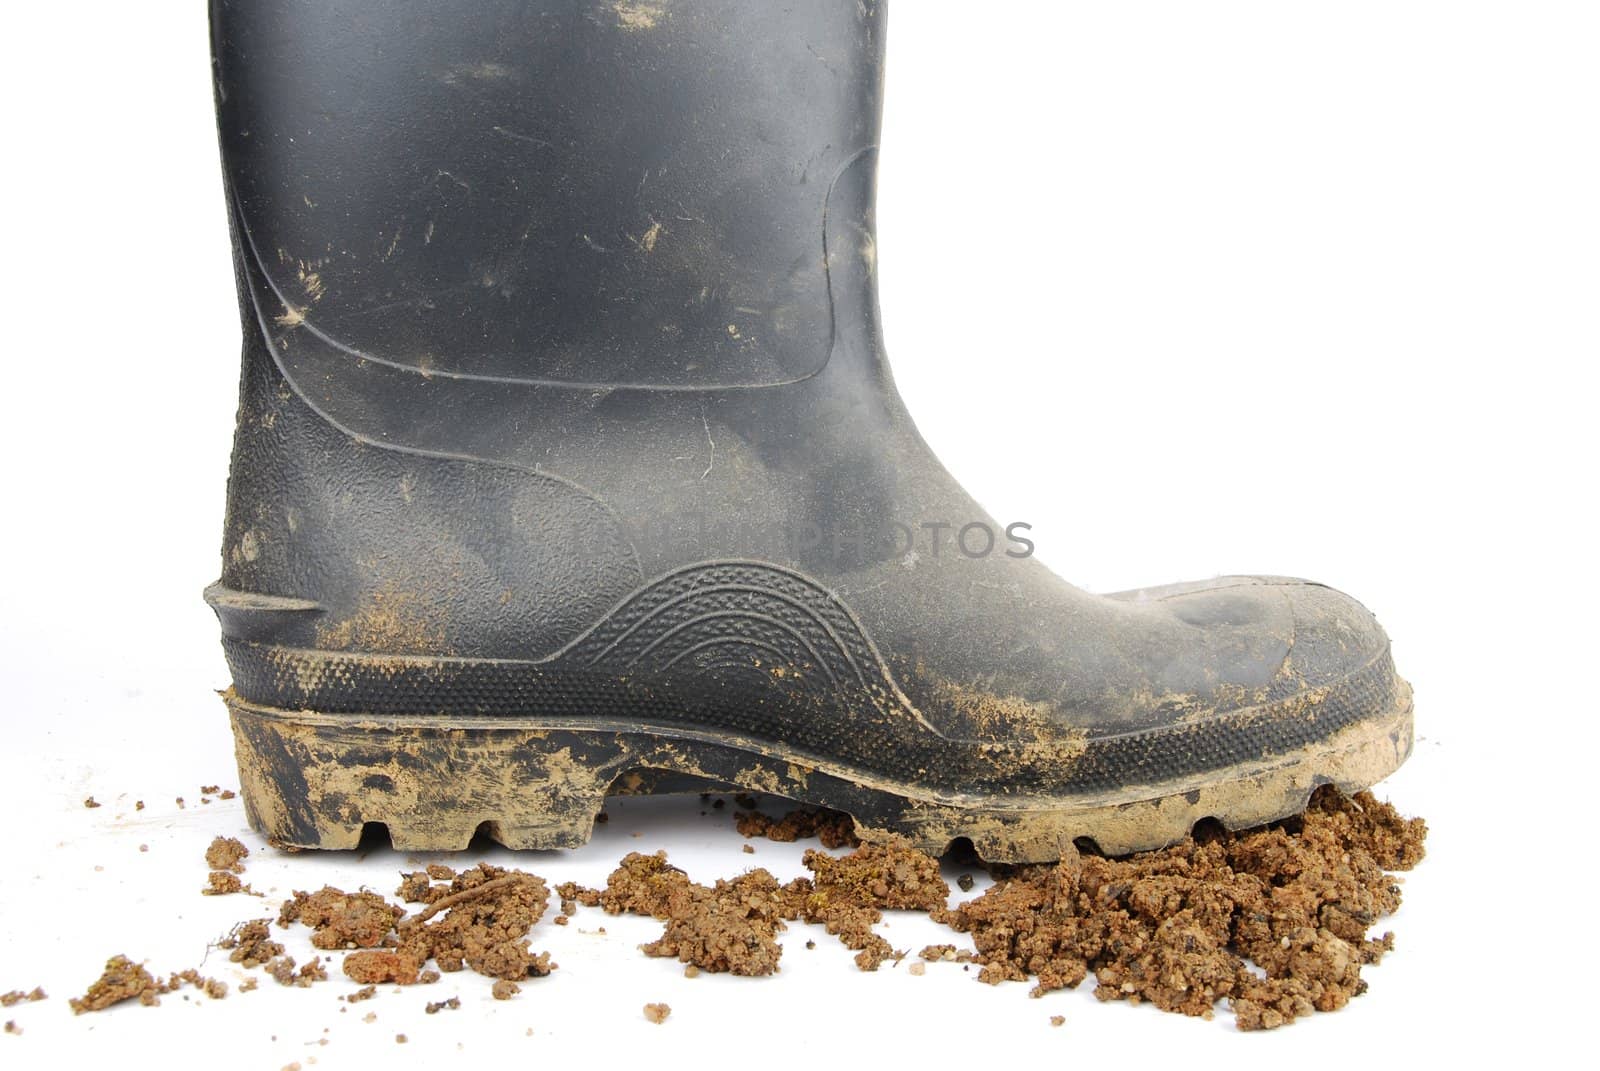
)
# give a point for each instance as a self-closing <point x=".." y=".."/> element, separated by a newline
<point x="569" y="463"/>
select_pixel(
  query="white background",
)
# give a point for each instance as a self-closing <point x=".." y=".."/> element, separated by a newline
<point x="1195" y="288"/>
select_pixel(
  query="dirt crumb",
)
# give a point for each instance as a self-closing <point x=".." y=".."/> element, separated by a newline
<point x="504" y="989"/>
<point x="17" y="996"/>
<point x="227" y="853"/>
<point x="657" y="1013"/>
<point x="215" y="988"/>
<point x="945" y="953"/>
<point x="222" y="883"/>
<point x="381" y="968"/>
<point x="364" y="993"/>
<point x="250" y="944"/>
<point x="122" y="980"/>
<point x="435" y="1007"/>
<point x="283" y="971"/>
<point x="12" y="1027"/>
<point x="90" y="803"/>
<point x="1058" y="1020"/>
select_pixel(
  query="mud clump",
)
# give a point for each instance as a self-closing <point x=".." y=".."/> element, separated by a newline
<point x="17" y="996"/>
<point x="227" y="853"/>
<point x="833" y="829"/>
<point x="283" y="972"/>
<point x="490" y="913"/>
<point x="657" y="1013"/>
<point x="124" y="980"/>
<point x="1179" y="927"/>
<point x="849" y="894"/>
<point x="730" y="927"/>
<point x="251" y="945"/>
<point x="487" y="913"/>
<point x="382" y="967"/>
<point x="341" y="920"/>
<point x="222" y="883"/>
<point x="226" y="857"/>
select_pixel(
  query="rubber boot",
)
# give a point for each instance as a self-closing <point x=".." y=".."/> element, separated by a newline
<point x="569" y="463"/>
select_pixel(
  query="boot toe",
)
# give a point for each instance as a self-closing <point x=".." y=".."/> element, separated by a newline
<point x="1334" y="636"/>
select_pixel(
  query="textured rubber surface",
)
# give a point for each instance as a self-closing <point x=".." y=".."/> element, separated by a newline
<point x="861" y="724"/>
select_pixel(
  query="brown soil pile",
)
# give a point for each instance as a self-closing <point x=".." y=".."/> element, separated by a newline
<point x="125" y="980"/>
<point x="478" y="919"/>
<point x="1272" y="920"/>
<point x="490" y="912"/>
<point x="833" y="829"/>
<point x="340" y="919"/>
<point x="732" y="926"/>
<point x="227" y="853"/>
<point x="1180" y="927"/>
<point x="849" y="894"/>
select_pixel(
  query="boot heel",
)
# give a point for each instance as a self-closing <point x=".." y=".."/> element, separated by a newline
<point x="318" y="781"/>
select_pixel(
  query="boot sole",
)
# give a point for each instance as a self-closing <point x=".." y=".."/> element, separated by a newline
<point x="314" y="780"/>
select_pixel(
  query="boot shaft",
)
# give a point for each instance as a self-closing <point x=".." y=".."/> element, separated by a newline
<point x="590" y="194"/>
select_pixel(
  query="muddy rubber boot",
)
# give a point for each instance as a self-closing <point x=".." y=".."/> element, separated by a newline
<point x="569" y="463"/>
